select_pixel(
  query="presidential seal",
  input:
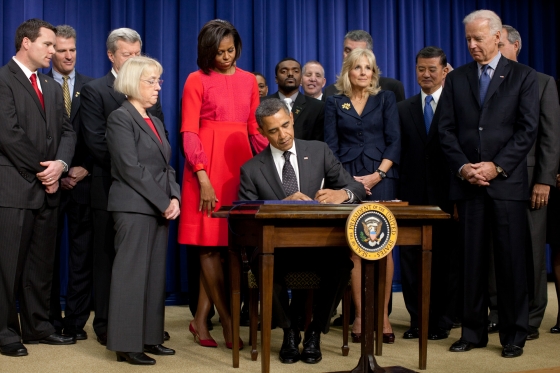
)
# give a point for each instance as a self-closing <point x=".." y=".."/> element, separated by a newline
<point x="371" y="231"/>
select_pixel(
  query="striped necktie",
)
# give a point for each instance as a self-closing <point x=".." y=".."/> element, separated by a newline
<point x="66" y="94"/>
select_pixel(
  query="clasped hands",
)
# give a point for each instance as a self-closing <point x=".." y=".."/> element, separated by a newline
<point x="322" y="196"/>
<point x="479" y="173"/>
<point x="369" y="181"/>
<point x="50" y="175"/>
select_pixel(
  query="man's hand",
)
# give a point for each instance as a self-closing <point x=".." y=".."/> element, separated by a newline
<point x="331" y="196"/>
<point x="67" y="183"/>
<point x="173" y="211"/>
<point x="539" y="196"/>
<point x="297" y="196"/>
<point x="50" y="189"/>
<point x="77" y="173"/>
<point x="52" y="172"/>
<point x="479" y="173"/>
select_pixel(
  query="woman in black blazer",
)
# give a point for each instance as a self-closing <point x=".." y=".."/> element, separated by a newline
<point x="362" y="129"/>
<point x="143" y="197"/>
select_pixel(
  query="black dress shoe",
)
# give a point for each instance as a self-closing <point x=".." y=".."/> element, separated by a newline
<point x="493" y="327"/>
<point x="311" y="353"/>
<point x="437" y="334"/>
<point x="102" y="339"/>
<point x="13" y="349"/>
<point x="555" y="329"/>
<point x="389" y="338"/>
<point x="166" y="336"/>
<point x="78" y="334"/>
<point x="158" y="350"/>
<point x="533" y="336"/>
<point x="462" y="346"/>
<point x="54" y="339"/>
<point x="289" y="352"/>
<point x="411" y="333"/>
<point x="135" y="358"/>
<point x="512" y="351"/>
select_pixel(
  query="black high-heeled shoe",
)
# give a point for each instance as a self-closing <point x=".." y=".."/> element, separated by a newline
<point x="135" y="358"/>
<point x="555" y="329"/>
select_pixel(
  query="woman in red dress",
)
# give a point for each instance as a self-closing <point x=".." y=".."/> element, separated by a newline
<point x="218" y="125"/>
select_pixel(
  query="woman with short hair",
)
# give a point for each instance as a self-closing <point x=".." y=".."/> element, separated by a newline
<point x="143" y="198"/>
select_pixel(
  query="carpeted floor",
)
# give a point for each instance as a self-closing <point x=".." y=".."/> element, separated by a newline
<point x="89" y="356"/>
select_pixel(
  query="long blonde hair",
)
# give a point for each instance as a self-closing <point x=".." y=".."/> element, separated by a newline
<point x="343" y="81"/>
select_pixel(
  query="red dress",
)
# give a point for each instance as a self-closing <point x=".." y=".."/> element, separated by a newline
<point x="218" y="116"/>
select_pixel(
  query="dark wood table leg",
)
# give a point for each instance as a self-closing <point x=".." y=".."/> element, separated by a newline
<point x="266" y="287"/>
<point x="424" y="285"/>
<point x="381" y="266"/>
<point x="367" y="362"/>
<point x="346" y="299"/>
<point x="235" y="291"/>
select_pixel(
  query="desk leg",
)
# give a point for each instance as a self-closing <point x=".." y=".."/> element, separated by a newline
<point x="424" y="284"/>
<point x="381" y="274"/>
<point x="266" y="287"/>
<point x="235" y="291"/>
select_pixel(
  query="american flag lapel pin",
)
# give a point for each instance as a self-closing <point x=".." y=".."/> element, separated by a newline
<point x="305" y="157"/>
<point x="501" y="76"/>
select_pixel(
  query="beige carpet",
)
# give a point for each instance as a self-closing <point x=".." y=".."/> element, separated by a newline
<point x="89" y="356"/>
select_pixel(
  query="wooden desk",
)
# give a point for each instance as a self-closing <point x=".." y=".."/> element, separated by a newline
<point x="289" y="226"/>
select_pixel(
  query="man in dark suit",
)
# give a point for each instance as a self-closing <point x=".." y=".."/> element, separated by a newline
<point x="362" y="39"/>
<point x="99" y="99"/>
<point x="74" y="200"/>
<point x="309" y="115"/>
<point x="274" y="175"/>
<point x="488" y="123"/>
<point x="424" y="181"/>
<point x="36" y="146"/>
<point x="542" y="164"/>
<point x="313" y="80"/>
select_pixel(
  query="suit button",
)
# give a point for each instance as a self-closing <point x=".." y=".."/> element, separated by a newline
<point x="480" y="128"/>
<point x="49" y="137"/>
<point x="165" y="170"/>
<point x="427" y="157"/>
<point x="361" y="144"/>
<point x="358" y="123"/>
<point x="476" y="149"/>
<point x="359" y="134"/>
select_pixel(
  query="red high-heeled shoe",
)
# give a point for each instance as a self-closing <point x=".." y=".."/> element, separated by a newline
<point x="203" y="342"/>
<point x="230" y="344"/>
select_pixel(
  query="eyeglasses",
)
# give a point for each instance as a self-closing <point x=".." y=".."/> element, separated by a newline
<point x="153" y="82"/>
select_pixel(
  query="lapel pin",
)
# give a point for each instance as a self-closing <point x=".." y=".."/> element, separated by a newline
<point x="296" y="112"/>
<point x="346" y="106"/>
<point x="305" y="157"/>
<point x="77" y="94"/>
<point x="501" y="76"/>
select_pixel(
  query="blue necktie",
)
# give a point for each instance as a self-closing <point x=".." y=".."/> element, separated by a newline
<point x="289" y="180"/>
<point x="428" y="113"/>
<point x="483" y="84"/>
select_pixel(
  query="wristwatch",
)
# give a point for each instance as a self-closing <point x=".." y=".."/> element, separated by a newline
<point x="381" y="173"/>
<point x="500" y="171"/>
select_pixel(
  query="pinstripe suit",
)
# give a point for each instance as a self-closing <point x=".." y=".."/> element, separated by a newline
<point x="29" y="135"/>
<point x="75" y="206"/>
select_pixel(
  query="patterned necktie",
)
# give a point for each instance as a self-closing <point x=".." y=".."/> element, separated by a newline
<point x="484" y="82"/>
<point x="289" y="180"/>
<point x="33" y="79"/>
<point x="428" y="113"/>
<point x="288" y="102"/>
<point x="66" y="95"/>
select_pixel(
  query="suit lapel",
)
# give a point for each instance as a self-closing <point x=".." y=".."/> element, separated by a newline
<point x="472" y="77"/>
<point x="49" y="95"/>
<point x="268" y="169"/>
<point x="303" y="166"/>
<point x="76" y="97"/>
<point x="119" y="97"/>
<point x="299" y="106"/>
<point x="433" y="127"/>
<point x="418" y="117"/>
<point x="499" y="75"/>
<point x="26" y="83"/>
<point x="344" y="105"/>
<point x="371" y="104"/>
<point x="144" y="126"/>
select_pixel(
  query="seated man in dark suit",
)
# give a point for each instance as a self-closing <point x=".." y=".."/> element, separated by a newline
<point x="362" y="39"/>
<point x="275" y="175"/>
<point x="308" y="113"/>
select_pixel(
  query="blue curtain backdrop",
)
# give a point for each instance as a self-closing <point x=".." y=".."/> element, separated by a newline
<point x="272" y="30"/>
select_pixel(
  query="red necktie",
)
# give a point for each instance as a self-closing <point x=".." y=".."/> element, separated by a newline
<point x="33" y="79"/>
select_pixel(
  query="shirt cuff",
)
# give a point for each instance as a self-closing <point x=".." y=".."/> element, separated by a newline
<point x="64" y="164"/>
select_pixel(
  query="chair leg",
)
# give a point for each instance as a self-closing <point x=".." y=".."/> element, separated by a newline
<point x="346" y="299"/>
<point x="253" y="321"/>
